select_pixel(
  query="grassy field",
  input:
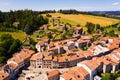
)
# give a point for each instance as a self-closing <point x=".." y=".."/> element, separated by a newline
<point x="16" y="35"/>
<point x="82" y="19"/>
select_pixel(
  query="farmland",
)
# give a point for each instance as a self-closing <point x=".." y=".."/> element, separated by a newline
<point x="82" y="19"/>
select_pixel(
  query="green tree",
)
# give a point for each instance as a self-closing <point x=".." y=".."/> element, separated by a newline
<point x="4" y="37"/>
<point x="2" y="59"/>
<point x="50" y="35"/>
<point x="28" y="29"/>
<point x="78" y="25"/>
<point x="97" y="26"/>
<point x="8" y="46"/>
<point x="14" y="47"/>
<point x="2" y="51"/>
<point x="106" y="76"/>
<point x="90" y="27"/>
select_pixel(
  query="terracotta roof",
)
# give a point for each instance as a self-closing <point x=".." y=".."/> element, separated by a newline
<point x="111" y="47"/>
<point x="72" y="58"/>
<point x="116" y="41"/>
<point x="45" y="39"/>
<point x="93" y="65"/>
<point x="48" y="58"/>
<point x="88" y="53"/>
<point x="77" y="28"/>
<point x="106" y="62"/>
<point x="96" y="42"/>
<point x="117" y="50"/>
<point x="3" y="75"/>
<point x="41" y="43"/>
<point x="13" y="66"/>
<point x="53" y="73"/>
<point x="72" y="75"/>
<point x="21" y="56"/>
<point x="62" y="59"/>
<point x="75" y="74"/>
<point x="83" y="71"/>
<point x="51" y="44"/>
<point x="113" y="61"/>
<point x="105" y="38"/>
<point x="66" y="76"/>
<point x="37" y="56"/>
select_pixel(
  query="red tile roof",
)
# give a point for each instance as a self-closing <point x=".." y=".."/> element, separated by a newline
<point x="53" y="73"/>
<point x="37" y="56"/>
<point x="3" y="75"/>
<point x="77" y="28"/>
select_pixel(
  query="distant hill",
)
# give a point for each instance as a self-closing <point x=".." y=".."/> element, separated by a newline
<point x="107" y="13"/>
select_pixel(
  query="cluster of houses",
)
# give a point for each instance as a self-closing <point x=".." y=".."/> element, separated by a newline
<point x="90" y="69"/>
<point x="47" y="51"/>
<point x="101" y="56"/>
<point x="15" y="64"/>
<point x="104" y="57"/>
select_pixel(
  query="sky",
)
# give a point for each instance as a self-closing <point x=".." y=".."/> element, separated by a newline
<point x="81" y="5"/>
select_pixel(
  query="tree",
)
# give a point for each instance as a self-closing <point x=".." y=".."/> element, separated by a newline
<point x="2" y="59"/>
<point x="4" y="37"/>
<point x="14" y="47"/>
<point x="90" y="27"/>
<point x="32" y="18"/>
<point x="97" y="26"/>
<point x="2" y="51"/>
<point x="78" y="25"/>
<point x="8" y="46"/>
<point x="50" y="35"/>
<point x="106" y="76"/>
<point x="28" y="29"/>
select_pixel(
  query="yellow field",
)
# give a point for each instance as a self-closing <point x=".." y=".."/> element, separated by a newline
<point x="82" y="19"/>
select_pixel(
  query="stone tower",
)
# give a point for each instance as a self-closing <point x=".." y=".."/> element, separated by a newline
<point x="58" y="22"/>
<point x="53" y="20"/>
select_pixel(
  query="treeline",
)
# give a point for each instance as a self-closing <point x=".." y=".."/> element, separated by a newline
<point x="23" y="17"/>
<point x="47" y="11"/>
<point x="105" y="30"/>
<point x="73" y="11"/>
<point x="6" y="27"/>
<point x="69" y="11"/>
<point x="8" y="46"/>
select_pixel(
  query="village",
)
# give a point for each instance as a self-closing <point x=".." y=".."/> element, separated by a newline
<point x="59" y="39"/>
<point x="76" y="58"/>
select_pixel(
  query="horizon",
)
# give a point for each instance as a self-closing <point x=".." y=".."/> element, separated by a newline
<point x="63" y="9"/>
<point x="86" y="5"/>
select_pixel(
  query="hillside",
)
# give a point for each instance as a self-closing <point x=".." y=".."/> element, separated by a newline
<point x="82" y="19"/>
<point x="16" y="35"/>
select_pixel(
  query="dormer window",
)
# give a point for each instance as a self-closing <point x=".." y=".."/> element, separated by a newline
<point x="2" y="76"/>
<point x="78" y="76"/>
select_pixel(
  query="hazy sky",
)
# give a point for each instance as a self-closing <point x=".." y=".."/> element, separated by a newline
<point x="82" y="5"/>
